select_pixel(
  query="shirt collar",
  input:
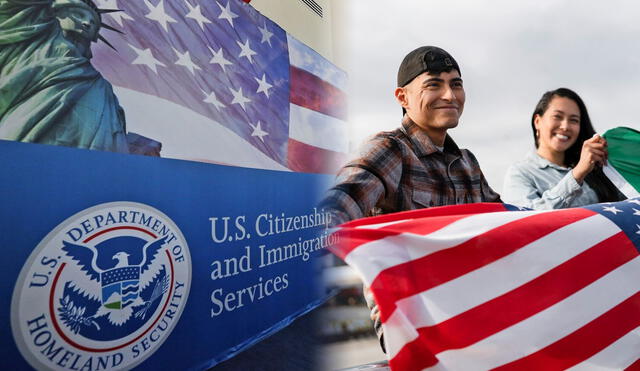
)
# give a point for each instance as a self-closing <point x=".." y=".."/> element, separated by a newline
<point x="421" y="141"/>
<point x="542" y="162"/>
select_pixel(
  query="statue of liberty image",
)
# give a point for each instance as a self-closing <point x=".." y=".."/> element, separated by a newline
<point x="49" y="91"/>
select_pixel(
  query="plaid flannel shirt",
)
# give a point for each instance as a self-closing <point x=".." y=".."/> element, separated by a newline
<point x="403" y="170"/>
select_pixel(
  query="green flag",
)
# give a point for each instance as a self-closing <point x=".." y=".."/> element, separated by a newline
<point x="623" y="167"/>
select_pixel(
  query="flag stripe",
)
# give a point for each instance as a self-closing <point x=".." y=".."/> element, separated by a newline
<point x="317" y="129"/>
<point x="201" y="138"/>
<point x="310" y="91"/>
<point x="400" y="249"/>
<point x="489" y="281"/>
<point x="540" y="293"/>
<point x="466" y="210"/>
<point x="619" y="181"/>
<point x="635" y="366"/>
<point x="415" y="358"/>
<point x="401" y="281"/>
<point x="617" y="356"/>
<point x="550" y="325"/>
<point x="354" y="237"/>
<point x="366" y="246"/>
<point x="439" y="217"/>
<point x="309" y="159"/>
<point x="305" y="58"/>
<point x="584" y="342"/>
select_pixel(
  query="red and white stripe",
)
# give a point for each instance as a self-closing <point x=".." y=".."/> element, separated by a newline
<point x="508" y="290"/>
<point x="318" y="110"/>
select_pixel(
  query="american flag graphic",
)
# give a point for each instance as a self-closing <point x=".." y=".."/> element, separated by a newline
<point x="492" y="286"/>
<point x="216" y="81"/>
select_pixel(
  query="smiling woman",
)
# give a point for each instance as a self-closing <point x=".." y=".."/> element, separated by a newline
<point x="558" y="128"/>
<point x="566" y="168"/>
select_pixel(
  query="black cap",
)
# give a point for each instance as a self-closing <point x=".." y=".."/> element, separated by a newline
<point x="425" y="59"/>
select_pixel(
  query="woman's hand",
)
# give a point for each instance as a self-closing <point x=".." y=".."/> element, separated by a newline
<point x="594" y="152"/>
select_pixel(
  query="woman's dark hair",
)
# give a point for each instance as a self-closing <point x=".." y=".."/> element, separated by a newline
<point x="596" y="179"/>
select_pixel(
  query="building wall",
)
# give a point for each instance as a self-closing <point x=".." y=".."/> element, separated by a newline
<point x="295" y="17"/>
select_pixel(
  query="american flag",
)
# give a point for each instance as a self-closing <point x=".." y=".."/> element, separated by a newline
<point x="217" y="81"/>
<point x="492" y="286"/>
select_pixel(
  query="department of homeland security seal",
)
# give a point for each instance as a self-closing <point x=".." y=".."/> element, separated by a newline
<point x="103" y="290"/>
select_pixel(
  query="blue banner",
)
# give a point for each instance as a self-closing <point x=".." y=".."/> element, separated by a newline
<point x="120" y="261"/>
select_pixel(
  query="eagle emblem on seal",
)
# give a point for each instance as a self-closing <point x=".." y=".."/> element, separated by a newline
<point x="115" y="282"/>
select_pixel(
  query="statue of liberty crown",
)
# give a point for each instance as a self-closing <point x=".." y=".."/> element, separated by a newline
<point x="90" y="5"/>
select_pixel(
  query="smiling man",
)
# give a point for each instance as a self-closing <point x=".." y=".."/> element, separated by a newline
<point x="417" y="165"/>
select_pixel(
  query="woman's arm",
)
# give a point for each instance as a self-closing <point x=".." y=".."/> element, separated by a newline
<point x="520" y="189"/>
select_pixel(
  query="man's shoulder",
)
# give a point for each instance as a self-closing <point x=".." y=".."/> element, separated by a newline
<point x="384" y="141"/>
<point x="468" y="157"/>
<point x="392" y="135"/>
<point x="466" y="153"/>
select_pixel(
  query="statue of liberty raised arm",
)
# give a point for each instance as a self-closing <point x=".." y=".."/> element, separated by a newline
<point x="49" y="91"/>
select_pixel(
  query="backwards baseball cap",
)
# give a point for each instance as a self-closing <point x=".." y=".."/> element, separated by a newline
<point x="425" y="59"/>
